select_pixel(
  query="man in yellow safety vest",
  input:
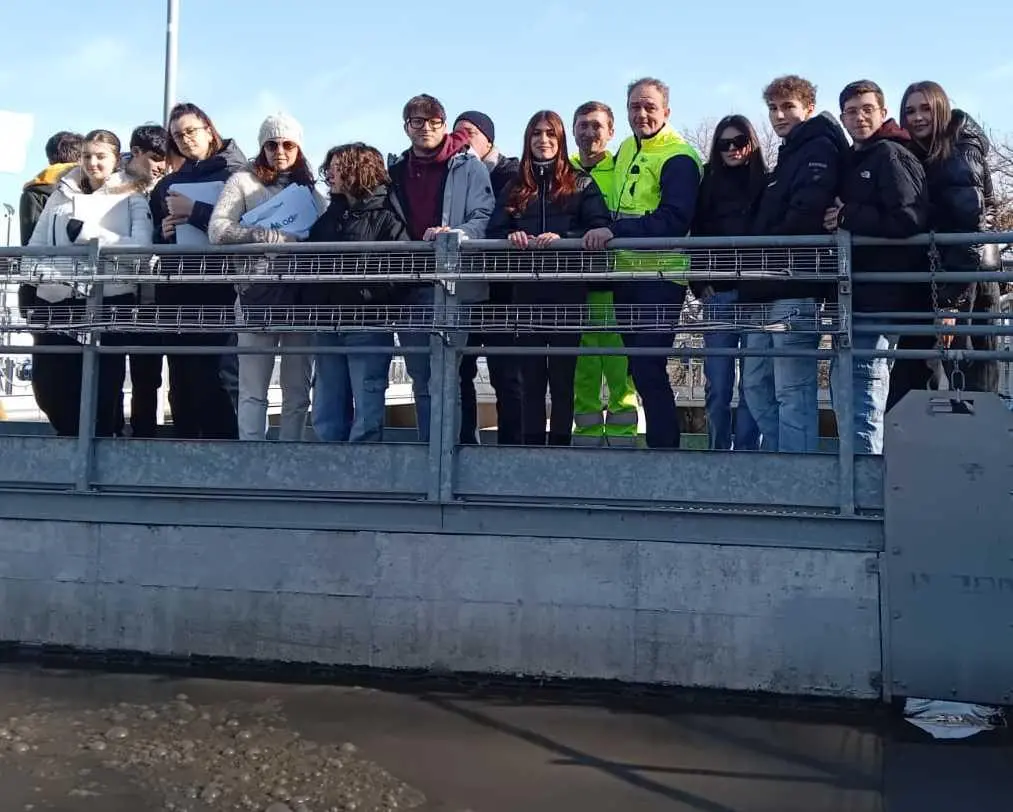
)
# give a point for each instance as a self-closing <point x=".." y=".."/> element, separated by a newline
<point x="657" y="175"/>
<point x="593" y="128"/>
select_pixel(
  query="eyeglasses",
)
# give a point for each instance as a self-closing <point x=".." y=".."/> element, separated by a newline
<point x="420" y="123"/>
<point x="866" y="110"/>
<point x="728" y="144"/>
<point x="277" y="146"/>
<point x="187" y="134"/>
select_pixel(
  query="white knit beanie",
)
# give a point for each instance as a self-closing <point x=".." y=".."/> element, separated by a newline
<point x="280" y="127"/>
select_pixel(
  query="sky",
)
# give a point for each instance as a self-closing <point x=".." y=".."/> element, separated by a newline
<point x="345" y="69"/>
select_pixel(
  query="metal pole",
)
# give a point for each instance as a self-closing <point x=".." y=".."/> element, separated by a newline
<point x="171" y="57"/>
<point x="843" y="392"/>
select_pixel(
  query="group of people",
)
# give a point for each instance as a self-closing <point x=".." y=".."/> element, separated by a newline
<point x="927" y="172"/>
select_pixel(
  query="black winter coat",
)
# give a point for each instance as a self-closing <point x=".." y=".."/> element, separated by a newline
<point x="885" y="195"/>
<point x="801" y="188"/>
<point x="960" y="187"/>
<point x="378" y="218"/>
<point x="501" y="174"/>
<point x="219" y="167"/>
<point x="963" y="200"/>
<point x="571" y="216"/>
<point x="724" y="208"/>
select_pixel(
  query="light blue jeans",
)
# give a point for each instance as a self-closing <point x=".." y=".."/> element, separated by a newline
<point x="719" y="371"/>
<point x="781" y="392"/>
<point x="871" y="387"/>
<point x="349" y="390"/>
<point x="417" y="364"/>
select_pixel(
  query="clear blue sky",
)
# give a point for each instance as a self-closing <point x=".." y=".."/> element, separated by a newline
<point x="345" y="69"/>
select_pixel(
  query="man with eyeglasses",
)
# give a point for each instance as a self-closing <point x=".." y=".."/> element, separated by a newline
<point x="442" y="186"/>
<point x="657" y="175"/>
<point x="882" y="194"/>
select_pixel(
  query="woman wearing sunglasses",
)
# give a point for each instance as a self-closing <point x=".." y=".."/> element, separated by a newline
<point x="279" y="164"/>
<point x="734" y="176"/>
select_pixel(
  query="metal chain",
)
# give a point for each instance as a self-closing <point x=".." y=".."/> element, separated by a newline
<point x="956" y="378"/>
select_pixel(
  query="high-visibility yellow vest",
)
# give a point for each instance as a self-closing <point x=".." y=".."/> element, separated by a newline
<point x="604" y="174"/>
<point x="637" y="180"/>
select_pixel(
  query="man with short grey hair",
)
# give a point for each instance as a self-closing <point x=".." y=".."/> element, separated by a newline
<point x="657" y="176"/>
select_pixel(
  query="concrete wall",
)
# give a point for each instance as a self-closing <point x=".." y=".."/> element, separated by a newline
<point x="803" y="621"/>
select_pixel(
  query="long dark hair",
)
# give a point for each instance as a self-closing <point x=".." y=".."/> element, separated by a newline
<point x="756" y="162"/>
<point x="564" y="176"/>
<point x="940" y="143"/>
<point x="188" y="109"/>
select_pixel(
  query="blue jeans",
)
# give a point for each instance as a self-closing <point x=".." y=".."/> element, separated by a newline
<point x="349" y="390"/>
<point x="871" y="387"/>
<point x="781" y="392"/>
<point x="719" y="372"/>
<point x="651" y="301"/>
<point x="417" y="364"/>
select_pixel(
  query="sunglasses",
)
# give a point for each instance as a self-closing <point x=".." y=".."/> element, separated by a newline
<point x="728" y="144"/>
<point x="275" y="146"/>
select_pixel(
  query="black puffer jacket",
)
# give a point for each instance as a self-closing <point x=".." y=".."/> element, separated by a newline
<point x="570" y="216"/>
<point x="724" y="208"/>
<point x="885" y="195"/>
<point x="960" y="188"/>
<point x="378" y="218"/>
<point x="228" y="160"/>
<point x="963" y="200"/>
<point x="801" y="188"/>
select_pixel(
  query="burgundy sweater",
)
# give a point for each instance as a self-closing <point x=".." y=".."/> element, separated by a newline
<point x="423" y="187"/>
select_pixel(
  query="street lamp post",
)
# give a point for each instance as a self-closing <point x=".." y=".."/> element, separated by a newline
<point x="171" y="56"/>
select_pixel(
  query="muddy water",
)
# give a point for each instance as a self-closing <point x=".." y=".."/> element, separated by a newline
<point x="182" y="755"/>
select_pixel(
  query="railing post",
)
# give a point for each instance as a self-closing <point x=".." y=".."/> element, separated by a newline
<point x="444" y="383"/>
<point x="844" y="395"/>
<point x="89" y="376"/>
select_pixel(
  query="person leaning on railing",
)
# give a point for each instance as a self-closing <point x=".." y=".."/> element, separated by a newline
<point x="782" y="391"/>
<point x="349" y="390"/>
<point x="657" y="175"/>
<point x="549" y="199"/>
<point x="120" y="219"/>
<point x="882" y="194"/>
<point x="733" y="180"/>
<point x="954" y="151"/>
<point x="200" y="403"/>
<point x="279" y="164"/>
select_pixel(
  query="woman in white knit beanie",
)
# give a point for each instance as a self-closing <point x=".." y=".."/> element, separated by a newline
<point x="279" y="164"/>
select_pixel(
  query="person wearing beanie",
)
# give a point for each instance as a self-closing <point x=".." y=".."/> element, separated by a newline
<point x="504" y="370"/>
<point x="441" y="186"/>
<point x="279" y="164"/>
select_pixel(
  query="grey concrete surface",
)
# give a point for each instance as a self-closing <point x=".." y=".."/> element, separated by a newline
<point x="709" y="615"/>
<point x="540" y="754"/>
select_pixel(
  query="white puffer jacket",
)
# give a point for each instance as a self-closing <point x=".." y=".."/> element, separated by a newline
<point x="51" y="231"/>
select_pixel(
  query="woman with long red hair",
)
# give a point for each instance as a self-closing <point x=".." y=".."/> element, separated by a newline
<point x="549" y="199"/>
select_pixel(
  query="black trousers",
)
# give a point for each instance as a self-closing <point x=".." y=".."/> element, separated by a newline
<point x="145" y="381"/>
<point x="56" y="377"/>
<point x="505" y="377"/>
<point x="201" y="406"/>
<point x="556" y="373"/>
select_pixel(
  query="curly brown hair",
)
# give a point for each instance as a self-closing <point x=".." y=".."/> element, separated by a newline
<point x="786" y="87"/>
<point x="360" y="167"/>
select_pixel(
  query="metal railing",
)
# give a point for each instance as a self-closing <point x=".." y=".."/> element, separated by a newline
<point x="448" y="266"/>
